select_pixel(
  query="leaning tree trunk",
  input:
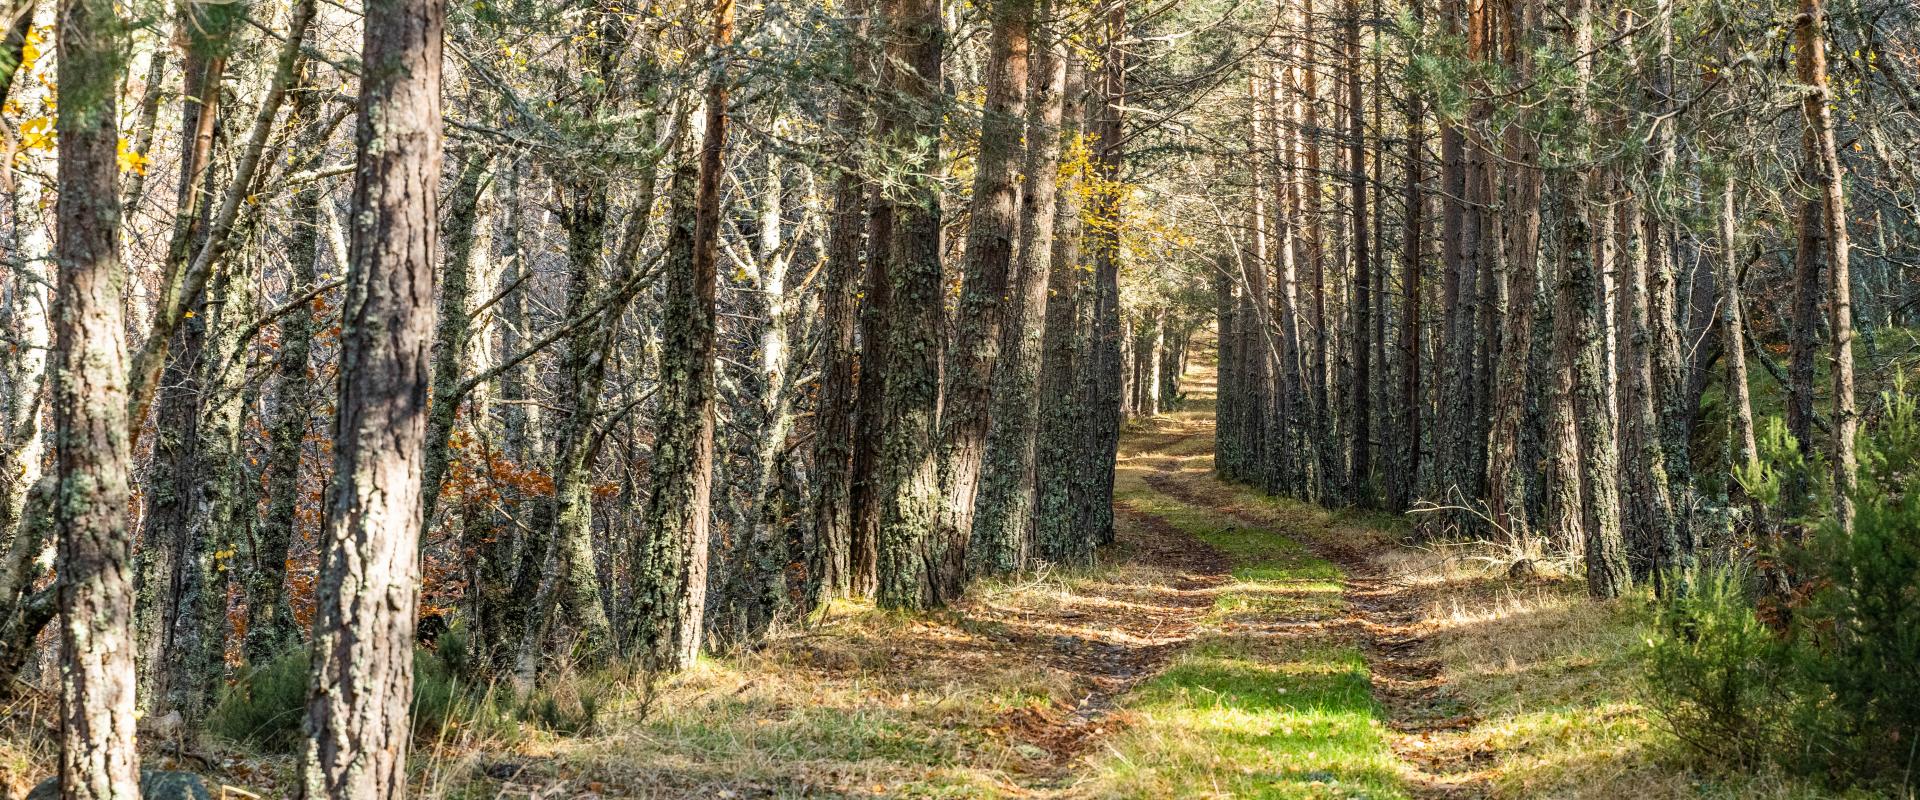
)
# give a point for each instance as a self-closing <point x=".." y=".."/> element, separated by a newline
<point x="361" y="678"/>
<point x="97" y="756"/>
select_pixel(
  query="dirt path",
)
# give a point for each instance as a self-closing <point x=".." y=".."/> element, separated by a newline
<point x="1386" y="615"/>
<point x="1112" y="635"/>
<point x="1217" y="651"/>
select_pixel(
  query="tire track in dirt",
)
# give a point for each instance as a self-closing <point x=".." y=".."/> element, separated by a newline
<point x="1385" y="614"/>
<point x="1123" y="635"/>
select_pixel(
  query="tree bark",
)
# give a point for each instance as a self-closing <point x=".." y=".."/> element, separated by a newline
<point x="834" y="441"/>
<point x="911" y="556"/>
<point x="1104" y="374"/>
<point x="97" y="756"/>
<point x="361" y="681"/>
<point x="994" y="227"/>
<point x="270" y="625"/>
<point x="1057" y="537"/>
<point x="1360" y="479"/>
<point x="1583" y="352"/>
<point x="1742" y="451"/>
<point x="1823" y="153"/>
<point x="1003" y="512"/>
<point x="670" y="570"/>
<point x="1403" y="478"/>
<point x="1506" y="476"/>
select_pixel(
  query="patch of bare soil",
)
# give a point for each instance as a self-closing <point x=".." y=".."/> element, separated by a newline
<point x="1387" y="614"/>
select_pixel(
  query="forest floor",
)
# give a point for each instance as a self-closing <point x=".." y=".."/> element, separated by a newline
<point x="1227" y="645"/>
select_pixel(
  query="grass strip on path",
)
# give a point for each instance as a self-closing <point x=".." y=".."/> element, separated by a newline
<point x="1272" y="700"/>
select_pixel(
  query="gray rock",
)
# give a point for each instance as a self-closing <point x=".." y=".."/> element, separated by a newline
<point x="155" y="784"/>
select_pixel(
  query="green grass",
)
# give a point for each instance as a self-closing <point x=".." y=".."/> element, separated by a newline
<point x="1268" y="702"/>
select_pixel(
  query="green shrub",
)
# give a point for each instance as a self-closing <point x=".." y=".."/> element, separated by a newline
<point x="1719" y="677"/>
<point x="266" y="708"/>
<point x="1863" y="622"/>
<point x="1836" y="691"/>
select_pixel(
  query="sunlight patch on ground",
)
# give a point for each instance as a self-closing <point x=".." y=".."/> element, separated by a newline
<point x="1274" y="699"/>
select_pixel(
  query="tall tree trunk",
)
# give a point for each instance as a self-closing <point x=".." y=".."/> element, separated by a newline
<point x="1742" y="452"/>
<point x="1676" y="398"/>
<point x="1823" y="152"/>
<point x="670" y="570"/>
<point x="270" y="625"/>
<point x="1321" y="429"/>
<point x="1506" y="475"/>
<point x="1003" y="512"/>
<point x="1058" y="539"/>
<point x="451" y="338"/>
<point x="834" y="443"/>
<point x="1104" y="374"/>
<point x="1360" y="490"/>
<point x="361" y="681"/>
<point x="755" y="592"/>
<point x="1254" y="412"/>
<point x="1652" y="539"/>
<point x="1583" y="352"/>
<point x="1296" y="459"/>
<point x="168" y="555"/>
<point x="911" y="556"/>
<point x="97" y="756"/>
<point x="1403" y="478"/>
<point x="24" y="529"/>
<point x="993" y="229"/>
<point x="567" y="579"/>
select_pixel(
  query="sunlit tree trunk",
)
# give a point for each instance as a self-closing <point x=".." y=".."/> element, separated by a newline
<point x="361" y="680"/>
<point x="670" y="568"/>
<point x="1582" y="352"/>
<point x="1742" y="452"/>
<point x="1002" y="524"/>
<point x="1823" y="153"/>
<point x="993" y="228"/>
<point x="97" y="756"/>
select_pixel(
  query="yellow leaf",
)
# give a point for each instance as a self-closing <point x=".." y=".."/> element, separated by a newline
<point x="131" y="160"/>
